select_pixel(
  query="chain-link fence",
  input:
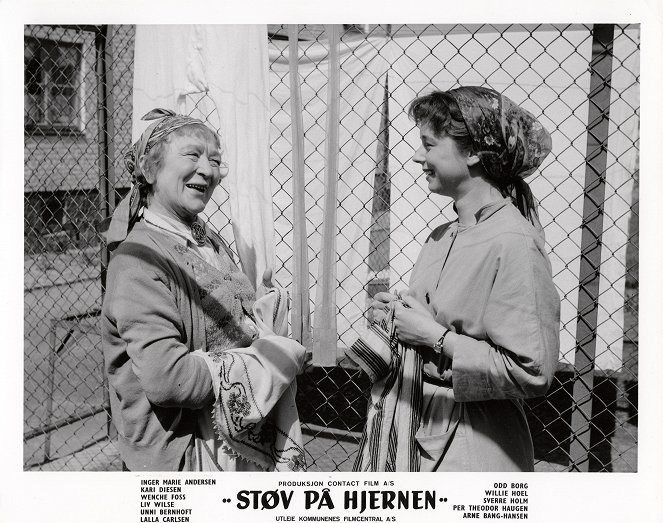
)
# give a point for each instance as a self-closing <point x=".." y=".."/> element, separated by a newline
<point x="581" y="81"/>
<point x="69" y="148"/>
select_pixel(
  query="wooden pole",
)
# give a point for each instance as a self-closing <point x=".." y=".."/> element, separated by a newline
<point x="325" y="333"/>
<point x="590" y="250"/>
<point x="301" y="309"/>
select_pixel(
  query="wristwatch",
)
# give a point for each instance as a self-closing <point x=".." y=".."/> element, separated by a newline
<point x="439" y="344"/>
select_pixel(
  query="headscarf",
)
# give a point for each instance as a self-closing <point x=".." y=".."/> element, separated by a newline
<point x="510" y="142"/>
<point x="126" y="212"/>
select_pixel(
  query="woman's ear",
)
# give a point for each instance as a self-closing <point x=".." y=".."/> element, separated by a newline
<point x="472" y="159"/>
<point x="144" y="168"/>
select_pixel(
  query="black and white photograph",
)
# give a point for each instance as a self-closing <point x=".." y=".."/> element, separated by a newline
<point x="336" y="249"/>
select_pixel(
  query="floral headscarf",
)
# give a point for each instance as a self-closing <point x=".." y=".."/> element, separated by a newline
<point x="510" y="142"/>
<point x="126" y="212"/>
<point x="508" y="139"/>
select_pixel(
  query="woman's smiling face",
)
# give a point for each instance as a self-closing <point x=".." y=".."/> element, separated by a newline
<point x="188" y="172"/>
<point x="445" y="166"/>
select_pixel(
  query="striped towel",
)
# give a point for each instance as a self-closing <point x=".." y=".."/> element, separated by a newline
<point x="388" y="443"/>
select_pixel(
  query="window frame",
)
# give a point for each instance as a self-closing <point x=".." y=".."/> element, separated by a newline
<point x="44" y="48"/>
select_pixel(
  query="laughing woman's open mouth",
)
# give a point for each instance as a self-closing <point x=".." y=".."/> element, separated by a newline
<point x="198" y="187"/>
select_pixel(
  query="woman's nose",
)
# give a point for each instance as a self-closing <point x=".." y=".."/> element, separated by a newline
<point x="419" y="156"/>
<point x="204" y="166"/>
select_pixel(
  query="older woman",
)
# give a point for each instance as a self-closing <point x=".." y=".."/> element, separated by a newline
<point x="481" y="312"/>
<point x="183" y="334"/>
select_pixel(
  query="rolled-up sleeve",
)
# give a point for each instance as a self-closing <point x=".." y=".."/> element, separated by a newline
<point x="148" y="321"/>
<point x="521" y="318"/>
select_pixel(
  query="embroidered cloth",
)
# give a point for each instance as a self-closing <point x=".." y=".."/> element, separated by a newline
<point x="254" y="424"/>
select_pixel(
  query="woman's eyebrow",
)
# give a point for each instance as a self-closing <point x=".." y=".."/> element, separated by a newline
<point x="190" y="146"/>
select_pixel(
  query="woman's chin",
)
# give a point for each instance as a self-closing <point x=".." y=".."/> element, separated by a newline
<point x="437" y="189"/>
<point x="196" y="207"/>
<point x="187" y="214"/>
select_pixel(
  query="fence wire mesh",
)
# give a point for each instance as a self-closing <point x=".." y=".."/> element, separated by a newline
<point x="581" y="81"/>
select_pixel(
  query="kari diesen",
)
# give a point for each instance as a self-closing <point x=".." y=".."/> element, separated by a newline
<point x="350" y="499"/>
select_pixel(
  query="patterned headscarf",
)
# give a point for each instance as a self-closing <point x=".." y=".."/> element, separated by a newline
<point x="126" y="212"/>
<point x="508" y="139"/>
<point x="510" y="142"/>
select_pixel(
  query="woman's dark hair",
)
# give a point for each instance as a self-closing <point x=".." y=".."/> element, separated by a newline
<point x="441" y="113"/>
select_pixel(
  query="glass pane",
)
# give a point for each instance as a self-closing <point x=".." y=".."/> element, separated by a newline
<point x="33" y="113"/>
<point x="30" y="49"/>
<point x="33" y="69"/>
<point x="65" y="65"/>
<point x="62" y="107"/>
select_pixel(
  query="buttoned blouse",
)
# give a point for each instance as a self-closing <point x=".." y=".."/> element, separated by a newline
<point x="491" y="284"/>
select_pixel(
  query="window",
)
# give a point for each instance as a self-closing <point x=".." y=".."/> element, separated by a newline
<point x="52" y="85"/>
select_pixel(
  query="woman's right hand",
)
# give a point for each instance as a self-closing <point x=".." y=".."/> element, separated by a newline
<point x="380" y="301"/>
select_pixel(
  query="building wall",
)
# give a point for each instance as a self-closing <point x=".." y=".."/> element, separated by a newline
<point x="61" y="166"/>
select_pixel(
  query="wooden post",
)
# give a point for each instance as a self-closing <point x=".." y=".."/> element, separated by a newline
<point x="592" y="231"/>
<point x="325" y="333"/>
<point x="301" y="308"/>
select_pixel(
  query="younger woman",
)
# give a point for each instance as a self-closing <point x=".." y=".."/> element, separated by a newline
<point x="481" y="309"/>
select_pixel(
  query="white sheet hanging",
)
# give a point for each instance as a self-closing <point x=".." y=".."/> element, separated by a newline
<point x="362" y="84"/>
<point x="623" y="133"/>
<point x="558" y="185"/>
<point x="218" y="73"/>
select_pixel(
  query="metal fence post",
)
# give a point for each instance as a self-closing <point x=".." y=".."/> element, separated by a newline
<point x="105" y="132"/>
<point x="52" y="356"/>
<point x="592" y="230"/>
<point x="105" y="136"/>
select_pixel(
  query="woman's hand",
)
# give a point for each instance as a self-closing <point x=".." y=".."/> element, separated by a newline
<point x="380" y="301"/>
<point x="415" y="324"/>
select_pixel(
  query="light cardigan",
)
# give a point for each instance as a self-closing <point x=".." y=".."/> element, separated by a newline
<point x="491" y="284"/>
<point x="151" y="321"/>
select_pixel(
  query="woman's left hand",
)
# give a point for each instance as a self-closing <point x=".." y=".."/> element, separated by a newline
<point x="415" y="324"/>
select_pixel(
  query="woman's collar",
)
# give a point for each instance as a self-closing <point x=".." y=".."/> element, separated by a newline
<point x="486" y="211"/>
<point x="171" y="225"/>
